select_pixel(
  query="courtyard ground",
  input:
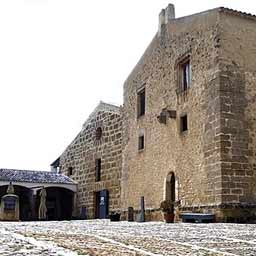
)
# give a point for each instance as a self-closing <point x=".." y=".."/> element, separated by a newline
<point x="102" y="237"/>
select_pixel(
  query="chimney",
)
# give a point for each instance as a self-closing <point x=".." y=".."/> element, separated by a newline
<point x="161" y="21"/>
<point x="165" y="17"/>
<point x="169" y="13"/>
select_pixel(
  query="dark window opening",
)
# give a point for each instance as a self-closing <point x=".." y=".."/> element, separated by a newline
<point x="98" y="133"/>
<point x="141" y="142"/>
<point x="9" y="203"/>
<point x="184" y="123"/>
<point x="185" y="75"/>
<point x="70" y="171"/>
<point x="141" y="103"/>
<point x="98" y="169"/>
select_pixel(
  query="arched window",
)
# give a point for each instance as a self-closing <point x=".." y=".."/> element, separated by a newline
<point x="98" y="133"/>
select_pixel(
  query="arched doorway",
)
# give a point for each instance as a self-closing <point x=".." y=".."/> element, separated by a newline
<point x="59" y="203"/>
<point x="170" y="188"/>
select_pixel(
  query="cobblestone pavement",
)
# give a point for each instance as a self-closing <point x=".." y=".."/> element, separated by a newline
<point x="102" y="237"/>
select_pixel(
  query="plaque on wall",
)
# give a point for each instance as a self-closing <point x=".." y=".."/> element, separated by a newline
<point x="9" y="203"/>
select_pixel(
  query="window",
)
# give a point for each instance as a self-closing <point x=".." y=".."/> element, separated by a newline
<point x="70" y="171"/>
<point x="184" y="74"/>
<point x="97" y="169"/>
<point x="183" y="123"/>
<point x="98" y="134"/>
<point x="9" y="203"/>
<point x="141" y="103"/>
<point x="141" y="142"/>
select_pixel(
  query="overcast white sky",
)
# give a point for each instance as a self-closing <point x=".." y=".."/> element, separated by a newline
<point x="59" y="58"/>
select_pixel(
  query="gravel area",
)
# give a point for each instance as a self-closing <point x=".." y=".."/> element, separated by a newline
<point x="102" y="237"/>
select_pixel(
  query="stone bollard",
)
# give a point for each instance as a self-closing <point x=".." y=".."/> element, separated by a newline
<point x="130" y="214"/>
<point x="142" y="209"/>
<point x="83" y="213"/>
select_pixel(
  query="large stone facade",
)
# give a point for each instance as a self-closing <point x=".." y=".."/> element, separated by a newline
<point x="212" y="160"/>
<point x="98" y="145"/>
<point x="187" y="130"/>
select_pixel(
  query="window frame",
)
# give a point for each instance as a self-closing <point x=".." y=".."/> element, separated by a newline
<point x="182" y="118"/>
<point x="98" y="169"/>
<point x="141" y="142"/>
<point x="141" y="104"/>
<point x="184" y="69"/>
<point x="70" y="171"/>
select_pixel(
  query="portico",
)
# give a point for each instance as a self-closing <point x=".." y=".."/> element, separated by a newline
<point x="60" y="193"/>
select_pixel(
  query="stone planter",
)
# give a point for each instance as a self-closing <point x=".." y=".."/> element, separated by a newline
<point x="114" y="217"/>
<point x="168" y="217"/>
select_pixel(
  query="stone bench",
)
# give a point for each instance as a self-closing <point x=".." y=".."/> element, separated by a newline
<point x="197" y="217"/>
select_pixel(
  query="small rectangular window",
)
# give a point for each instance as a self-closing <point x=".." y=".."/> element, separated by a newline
<point x="141" y="102"/>
<point x="97" y="169"/>
<point x="184" y="75"/>
<point x="183" y="123"/>
<point x="70" y="171"/>
<point x="141" y="142"/>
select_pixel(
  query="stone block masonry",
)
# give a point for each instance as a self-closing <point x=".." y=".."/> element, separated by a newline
<point x="94" y="160"/>
<point x="202" y="67"/>
<point x="187" y="130"/>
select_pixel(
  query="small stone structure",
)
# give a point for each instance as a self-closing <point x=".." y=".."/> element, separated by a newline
<point x="9" y="209"/>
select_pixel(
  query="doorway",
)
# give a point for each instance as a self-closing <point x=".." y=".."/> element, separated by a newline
<point x="101" y="204"/>
<point x="170" y="188"/>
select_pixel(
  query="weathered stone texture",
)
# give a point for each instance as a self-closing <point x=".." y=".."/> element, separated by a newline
<point x="85" y="149"/>
<point x="238" y="106"/>
<point x="214" y="161"/>
<point x="166" y="149"/>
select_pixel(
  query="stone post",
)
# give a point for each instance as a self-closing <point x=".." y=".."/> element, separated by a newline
<point x="74" y="212"/>
<point x="130" y="214"/>
<point x="142" y="209"/>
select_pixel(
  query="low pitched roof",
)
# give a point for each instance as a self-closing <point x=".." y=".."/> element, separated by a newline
<point x="102" y="106"/>
<point x="34" y="176"/>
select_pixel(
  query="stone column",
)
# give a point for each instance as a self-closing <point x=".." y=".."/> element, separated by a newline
<point x="74" y="206"/>
<point x="32" y="199"/>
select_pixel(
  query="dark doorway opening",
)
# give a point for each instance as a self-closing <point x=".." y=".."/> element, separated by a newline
<point x="101" y="204"/>
<point x="170" y="188"/>
<point x="59" y="203"/>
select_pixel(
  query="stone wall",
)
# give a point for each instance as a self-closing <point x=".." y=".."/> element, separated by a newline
<point x="238" y="106"/>
<point x="214" y="161"/>
<point x="81" y="154"/>
<point x="190" y="155"/>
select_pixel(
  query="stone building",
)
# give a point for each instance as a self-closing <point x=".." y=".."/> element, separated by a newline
<point x="60" y="190"/>
<point x="94" y="161"/>
<point x="189" y="117"/>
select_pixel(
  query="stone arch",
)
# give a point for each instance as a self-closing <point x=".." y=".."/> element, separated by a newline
<point x="59" y="202"/>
